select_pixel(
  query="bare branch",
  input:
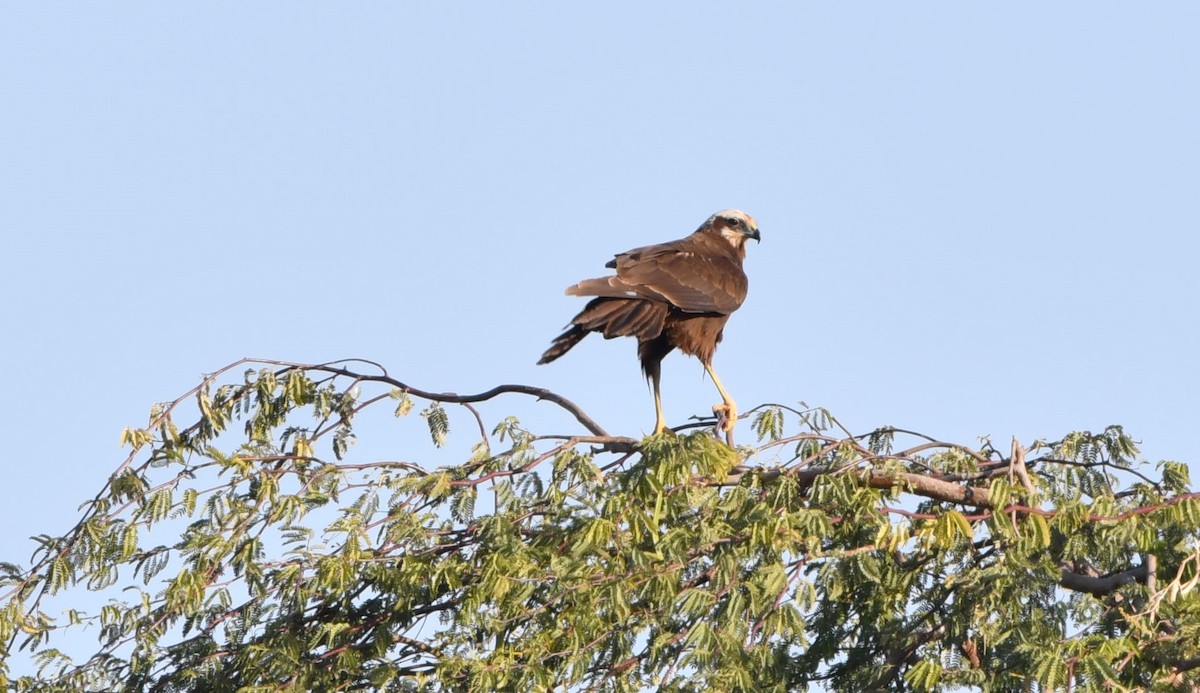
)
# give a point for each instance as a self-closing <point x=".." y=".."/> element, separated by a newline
<point x="1101" y="586"/>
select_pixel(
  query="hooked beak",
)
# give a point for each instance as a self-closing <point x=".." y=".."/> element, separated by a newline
<point x="753" y="233"/>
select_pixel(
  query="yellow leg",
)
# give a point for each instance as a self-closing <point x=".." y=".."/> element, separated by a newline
<point x="660" y="421"/>
<point x="727" y="408"/>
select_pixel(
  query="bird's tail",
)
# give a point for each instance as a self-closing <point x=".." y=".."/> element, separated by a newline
<point x="563" y="343"/>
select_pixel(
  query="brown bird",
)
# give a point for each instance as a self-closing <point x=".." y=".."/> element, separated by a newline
<point x="677" y="294"/>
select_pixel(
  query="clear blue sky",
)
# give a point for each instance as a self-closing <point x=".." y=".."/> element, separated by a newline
<point x="977" y="219"/>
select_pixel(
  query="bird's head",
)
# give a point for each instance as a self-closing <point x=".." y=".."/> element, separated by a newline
<point x="734" y="225"/>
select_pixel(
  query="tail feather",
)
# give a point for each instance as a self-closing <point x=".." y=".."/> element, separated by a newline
<point x="612" y="317"/>
<point x="637" y="318"/>
<point x="653" y="319"/>
<point x="563" y="343"/>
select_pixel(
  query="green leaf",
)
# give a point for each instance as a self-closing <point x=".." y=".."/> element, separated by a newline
<point x="438" y="422"/>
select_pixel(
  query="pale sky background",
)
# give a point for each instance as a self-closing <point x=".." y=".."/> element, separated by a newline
<point x="977" y="219"/>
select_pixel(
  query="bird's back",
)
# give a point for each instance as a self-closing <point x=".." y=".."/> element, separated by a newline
<point x="696" y="274"/>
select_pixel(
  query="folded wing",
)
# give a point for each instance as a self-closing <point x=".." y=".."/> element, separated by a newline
<point x="687" y="274"/>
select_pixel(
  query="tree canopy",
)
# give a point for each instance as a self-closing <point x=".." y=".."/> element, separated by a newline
<point x="247" y="544"/>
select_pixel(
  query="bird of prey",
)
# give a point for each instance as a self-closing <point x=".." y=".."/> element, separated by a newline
<point x="671" y="295"/>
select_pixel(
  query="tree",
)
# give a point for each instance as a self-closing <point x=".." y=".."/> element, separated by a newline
<point x="271" y="558"/>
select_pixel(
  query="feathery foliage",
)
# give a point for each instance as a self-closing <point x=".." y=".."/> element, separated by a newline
<point x="252" y="550"/>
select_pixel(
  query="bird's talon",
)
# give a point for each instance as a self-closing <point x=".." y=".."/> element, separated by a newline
<point x="726" y="416"/>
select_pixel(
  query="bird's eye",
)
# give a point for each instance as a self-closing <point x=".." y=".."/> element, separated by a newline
<point x="735" y="222"/>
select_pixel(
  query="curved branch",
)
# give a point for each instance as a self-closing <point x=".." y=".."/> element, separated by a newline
<point x="905" y="655"/>
<point x="929" y="487"/>
<point x="1100" y="586"/>
<point x="540" y="393"/>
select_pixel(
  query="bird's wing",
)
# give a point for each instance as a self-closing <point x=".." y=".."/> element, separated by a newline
<point x="686" y="273"/>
